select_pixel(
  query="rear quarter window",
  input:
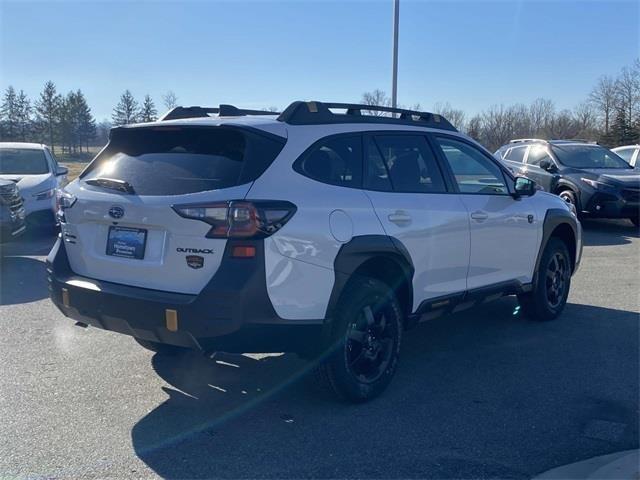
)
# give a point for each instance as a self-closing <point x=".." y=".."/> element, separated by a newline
<point x="182" y="160"/>
<point x="334" y="160"/>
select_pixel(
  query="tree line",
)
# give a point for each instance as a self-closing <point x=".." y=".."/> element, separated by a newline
<point x="66" y="121"/>
<point x="610" y="115"/>
<point x="55" y="119"/>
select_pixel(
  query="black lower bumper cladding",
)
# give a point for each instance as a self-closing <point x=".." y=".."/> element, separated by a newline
<point x="232" y="313"/>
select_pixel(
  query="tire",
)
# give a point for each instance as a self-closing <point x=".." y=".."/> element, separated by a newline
<point x="161" y="348"/>
<point x="570" y="196"/>
<point x="365" y="342"/>
<point x="551" y="286"/>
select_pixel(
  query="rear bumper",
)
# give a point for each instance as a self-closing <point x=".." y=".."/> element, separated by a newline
<point x="232" y="313"/>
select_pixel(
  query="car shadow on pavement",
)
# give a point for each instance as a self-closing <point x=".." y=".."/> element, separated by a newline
<point x="468" y="386"/>
<point x="23" y="277"/>
<point x="608" y="232"/>
<point x="22" y="280"/>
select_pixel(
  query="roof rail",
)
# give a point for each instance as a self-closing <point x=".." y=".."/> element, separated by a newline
<point x="313" y="113"/>
<point x="222" y="111"/>
<point x="575" y="140"/>
<point x="522" y="140"/>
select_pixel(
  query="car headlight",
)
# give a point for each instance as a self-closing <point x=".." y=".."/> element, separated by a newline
<point x="598" y="185"/>
<point x="44" y="195"/>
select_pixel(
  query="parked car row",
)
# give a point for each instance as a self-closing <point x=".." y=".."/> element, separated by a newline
<point x="30" y="178"/>
<point x="597" y="181"/>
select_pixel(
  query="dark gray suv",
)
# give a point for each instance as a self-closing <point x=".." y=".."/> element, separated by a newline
<point x="595" y="180"/>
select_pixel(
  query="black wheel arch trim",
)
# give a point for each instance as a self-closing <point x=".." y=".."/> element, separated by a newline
<point x="553" y="219"/>
<point x="359" y="250"/>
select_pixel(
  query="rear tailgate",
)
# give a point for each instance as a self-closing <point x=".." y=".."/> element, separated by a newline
<point x="122" y="227"/>
<point x="176" y="255"/>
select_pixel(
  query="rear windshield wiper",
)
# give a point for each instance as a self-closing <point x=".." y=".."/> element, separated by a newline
<point x="112" y="183"/>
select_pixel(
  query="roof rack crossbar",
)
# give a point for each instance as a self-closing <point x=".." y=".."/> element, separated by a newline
<point x="313" y="113"/>
<point x="222" y="111"/>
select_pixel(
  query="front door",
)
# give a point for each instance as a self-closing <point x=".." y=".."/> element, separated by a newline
<point x="410" y="197"/>
<point x="504" y="230"/>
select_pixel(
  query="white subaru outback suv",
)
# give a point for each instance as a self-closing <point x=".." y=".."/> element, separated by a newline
<point x="325" y="231"/>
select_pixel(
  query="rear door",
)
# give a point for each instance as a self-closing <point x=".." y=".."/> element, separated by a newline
<point x="123" y="228"/>
<point x="504" y="230"/>
<point x="410" y="197"/>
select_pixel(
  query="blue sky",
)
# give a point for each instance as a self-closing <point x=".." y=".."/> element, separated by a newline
<point x="259" y="53"/>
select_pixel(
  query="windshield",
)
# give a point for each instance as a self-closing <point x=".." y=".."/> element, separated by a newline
<point x="588" y="156"/>
<point x="181" y="160"/>
<point x="22" y="161"/>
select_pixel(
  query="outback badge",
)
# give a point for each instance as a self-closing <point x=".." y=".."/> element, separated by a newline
<point x="195" y="261"/>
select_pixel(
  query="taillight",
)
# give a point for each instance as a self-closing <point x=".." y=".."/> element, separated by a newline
<point x="239" y="218"/>
<point x="64" y="200"/>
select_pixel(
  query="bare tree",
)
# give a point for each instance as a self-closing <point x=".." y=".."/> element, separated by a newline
<point x="628" y="91"/>
<point x="563" y="125"/>
<point x="376" y="98"/>
<point x="455" y="116"/>
<point x="497" y="127"/>
<point x="170" y="100"/>
<point x="584" y="117"/>
<point x="604" y="98"/>
<point x="474" y="128"/>
<point x="541" y="113"/>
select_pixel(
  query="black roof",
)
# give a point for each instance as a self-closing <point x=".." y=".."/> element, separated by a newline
<point x="315" y="113"/>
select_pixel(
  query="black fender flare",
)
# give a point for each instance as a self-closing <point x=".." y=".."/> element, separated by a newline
<point x="554" y="218"/>
<point x="353" y="254"/>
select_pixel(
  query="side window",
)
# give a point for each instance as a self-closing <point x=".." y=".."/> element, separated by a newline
<point x="53" y="165"/>
<point x="336" y="161"/>
<point x="377" y="175"/>
<point x="410" y="163"/>
<point x="516" y="154"/>
<point x="626" y="154"/>
<point x="473" y="171"/>
<point x="537" y="154"/>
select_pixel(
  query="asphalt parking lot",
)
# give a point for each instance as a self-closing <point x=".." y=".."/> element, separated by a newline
<point x="484" y="393"/>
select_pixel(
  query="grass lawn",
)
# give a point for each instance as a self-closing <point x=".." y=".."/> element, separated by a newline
<point x="74" y="168"/>
<point x="76" y="163"/>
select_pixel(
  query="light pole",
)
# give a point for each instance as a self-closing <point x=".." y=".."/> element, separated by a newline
<point x="394" y="84"/>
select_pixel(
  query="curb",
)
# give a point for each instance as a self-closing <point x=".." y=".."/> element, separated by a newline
<point x="615" y="466"/>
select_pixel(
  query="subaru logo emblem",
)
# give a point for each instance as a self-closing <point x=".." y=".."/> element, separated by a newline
<point x="116" y="212"/>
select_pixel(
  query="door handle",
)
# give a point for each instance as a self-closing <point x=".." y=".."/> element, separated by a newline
<point x="479" y="216"/>
<point x="400" y="218"/>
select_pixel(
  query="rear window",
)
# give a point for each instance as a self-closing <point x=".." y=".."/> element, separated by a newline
<point x="177" y="160"/>
<point x="23" y="161"/>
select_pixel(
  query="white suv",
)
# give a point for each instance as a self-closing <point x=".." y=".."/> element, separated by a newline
<point x="324" y="231"/>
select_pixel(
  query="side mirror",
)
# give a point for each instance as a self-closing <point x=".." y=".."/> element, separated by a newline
<point x="524" y="187"/>
<point x="548" y="165"/>
<point x="61" y="171"/>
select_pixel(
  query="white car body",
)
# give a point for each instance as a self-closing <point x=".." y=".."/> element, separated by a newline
<point x="38" y="190"/>
<point x="459" y="245"/>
